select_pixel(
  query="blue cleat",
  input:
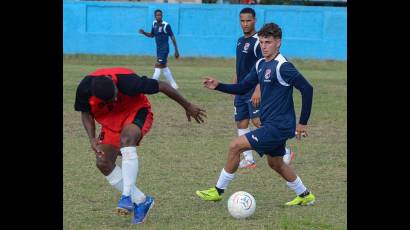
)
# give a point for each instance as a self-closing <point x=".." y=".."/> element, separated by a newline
<point x="125" y="206"/>
<point x="141" y="210"/>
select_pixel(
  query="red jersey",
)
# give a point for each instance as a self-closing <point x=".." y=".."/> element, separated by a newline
<point x="112" y="115"/>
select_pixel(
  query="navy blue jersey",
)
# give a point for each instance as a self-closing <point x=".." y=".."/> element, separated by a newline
<point x="161" y="32"/>
<point x="248" y="52"/>
<point x="276" y="78"/>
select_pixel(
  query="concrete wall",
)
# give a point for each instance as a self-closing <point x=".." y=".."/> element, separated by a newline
<point x="201" y="30"/>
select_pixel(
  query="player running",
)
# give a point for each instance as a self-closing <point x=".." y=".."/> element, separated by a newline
<point x="276" y="77"/>
<point x="246" y="106"/>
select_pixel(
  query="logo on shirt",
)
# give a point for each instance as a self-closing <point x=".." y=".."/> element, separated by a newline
<point x="254" y="112"/>
<point x="160" y="29"/>
<point x="267" y="75"/>
<point x="255" y="138"/>
<point x="246" y="47"/>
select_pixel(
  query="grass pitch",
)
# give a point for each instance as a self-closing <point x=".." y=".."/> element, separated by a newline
<point x="177" y="158"/>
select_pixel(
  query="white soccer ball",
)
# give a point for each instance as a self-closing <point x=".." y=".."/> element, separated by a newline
<point x="241" y="205"/>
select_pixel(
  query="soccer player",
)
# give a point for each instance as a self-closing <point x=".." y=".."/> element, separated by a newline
<point x="248" y="52"/>
<point x="161" y="30"/>
<point x="276" y="77"/>
<point x="114" y="97"/>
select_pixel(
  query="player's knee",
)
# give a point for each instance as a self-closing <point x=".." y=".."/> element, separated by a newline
<point x="235" y="146"/>
<point x="104" y="166"/>
<point x="130" y="137"/>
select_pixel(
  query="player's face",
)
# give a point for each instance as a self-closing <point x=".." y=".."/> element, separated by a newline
<point x="269" y="46"/>
<point x="247" y="23"/>
<point x="158" y="16"/>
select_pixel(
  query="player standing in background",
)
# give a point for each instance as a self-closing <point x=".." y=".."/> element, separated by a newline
<point x="276" y="77"/>
<point x="246" y="106"/>
<point x="161" y="30"/>
<point x="114" y="97"/>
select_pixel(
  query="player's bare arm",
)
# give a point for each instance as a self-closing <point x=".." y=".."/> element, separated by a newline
<point x="191" y="110"/>
<point x="89" y="125"/>
<point x="141" y="31"/>
<point x="256" y="96"/>
<point x="174" y="41"/>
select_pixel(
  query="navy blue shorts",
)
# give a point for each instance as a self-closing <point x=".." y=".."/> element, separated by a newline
<point x="162" y="57"/>
<point x="244" y="109"/>
<point x="267" y="140"/>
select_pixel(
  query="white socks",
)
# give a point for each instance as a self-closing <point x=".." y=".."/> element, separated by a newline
<point x="224" y="179"/>
<point x="297" y="186"/>
<point x="168" y="75"/>
<point x="157" y="73"/>
<point x="115" y="179"/>
<point x="129" y="168"/>
<point x="247" y="154"/>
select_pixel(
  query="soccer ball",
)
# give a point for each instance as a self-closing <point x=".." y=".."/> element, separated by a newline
<point x="241" y="205"/>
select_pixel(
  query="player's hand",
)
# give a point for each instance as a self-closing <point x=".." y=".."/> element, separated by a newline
<point x="197" y="113"/>
<point x="256" y="98"/>
<point x="94" y="145"/>
<point x="210" y="83"/>
<point x="301" y="131"/>
<point x="141" y="31"/>
<point x="176" y="54"/>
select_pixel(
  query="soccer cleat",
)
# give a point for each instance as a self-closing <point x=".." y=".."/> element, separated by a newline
<point x="141" y="210"/>
<point x="247" y="164"/>
<point x="209" y="194"/>
<point x="307" y="200"/>
<point x="174" y="85"/>
<point x="125" y="205"/>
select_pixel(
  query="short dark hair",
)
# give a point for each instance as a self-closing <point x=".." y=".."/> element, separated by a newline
<point x="103" y="88"/>
<point x="157" y="10"/>
<point x="270" y="29"/>
<point x="248" y="10"/>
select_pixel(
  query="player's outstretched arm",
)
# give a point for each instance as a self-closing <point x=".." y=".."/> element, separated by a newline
<point x="239" y="88"/>
<point x="150" y="35"/>
<point x="191" y="110"/>
<point x="210" y="83"/>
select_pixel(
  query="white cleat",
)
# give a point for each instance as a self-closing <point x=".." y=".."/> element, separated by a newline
<point x="174" y="85"/>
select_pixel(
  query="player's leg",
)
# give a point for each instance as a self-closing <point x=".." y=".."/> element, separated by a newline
<point x="158" y="67"/>
<point x="167" y="71"/>
<point x="242" y="116"/>
<point x="105" y="161"/>
<point x="131" y="135"/>
<point x="275" y="161"/>
<point x="236" y="147"/>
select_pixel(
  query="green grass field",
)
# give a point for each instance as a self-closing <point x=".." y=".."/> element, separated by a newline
<point x="177" y="157"/>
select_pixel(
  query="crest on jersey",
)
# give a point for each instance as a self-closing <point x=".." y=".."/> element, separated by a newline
<point x="160" y="29"/>
<point x="267" y="73"/>
<point x="246" y="46"/>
